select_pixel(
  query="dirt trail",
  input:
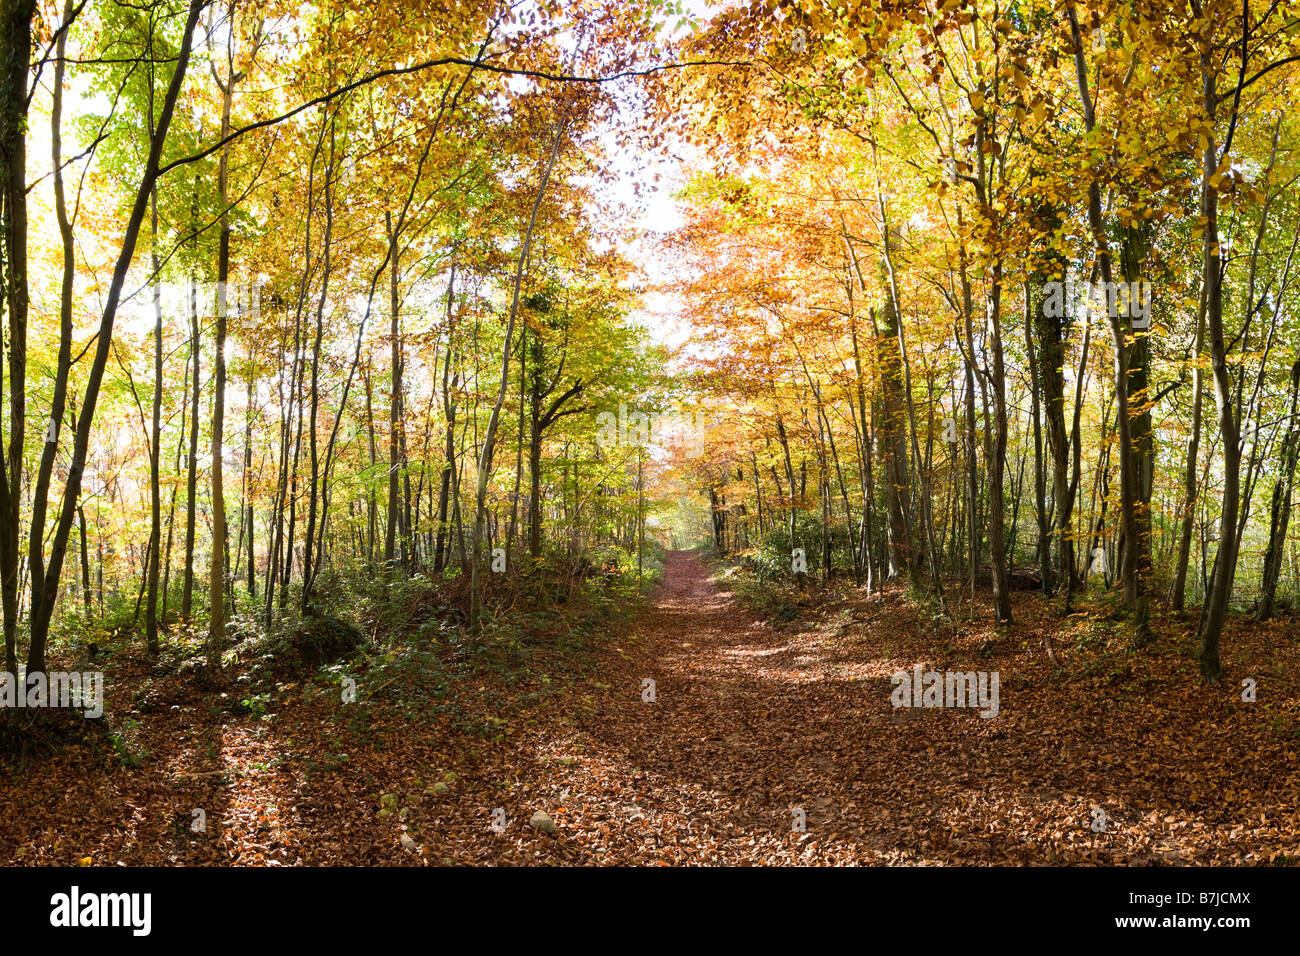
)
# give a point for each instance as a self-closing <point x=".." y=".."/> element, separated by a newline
<point x="747" y="731"/>
<point x="751" y="731"/>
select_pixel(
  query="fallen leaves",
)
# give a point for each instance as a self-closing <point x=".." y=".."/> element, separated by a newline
<point x="749" y="724"/>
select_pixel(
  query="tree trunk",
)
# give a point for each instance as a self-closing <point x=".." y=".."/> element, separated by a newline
<point x="1280" y="513"/>
<point x="489" y="436"/>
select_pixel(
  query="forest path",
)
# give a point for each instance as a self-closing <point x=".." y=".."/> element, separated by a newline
<point x="760" y="746"/>
<point x="749" y="733"/>
<point x="763" y="744"/>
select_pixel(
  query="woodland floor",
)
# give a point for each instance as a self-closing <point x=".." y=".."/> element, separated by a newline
<point x="750" y="720"/>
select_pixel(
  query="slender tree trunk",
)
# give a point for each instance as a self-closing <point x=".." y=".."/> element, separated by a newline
<point x="155" y="441"/>
<point x="1280" y="512"/>
<point x="395" y="414"/>
<point x="1040" y="477"/>
<point x="40" y="621"/>
<point x="1216" y="601"/>
<point x="1121" y="327"/>
<point x="489" y="436"/>
<point x="15" y="59"/>
<point x="996" y="452"/>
